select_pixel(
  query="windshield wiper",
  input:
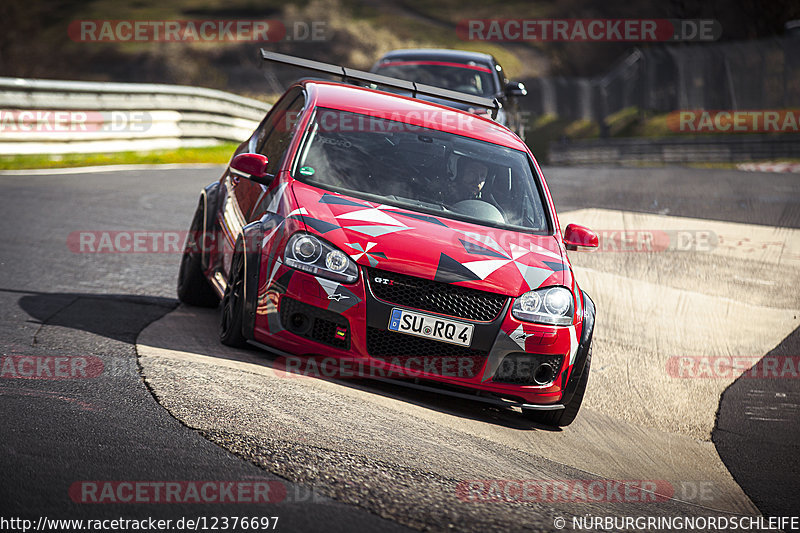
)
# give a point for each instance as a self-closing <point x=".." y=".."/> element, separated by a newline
<point x="419" y="203"/>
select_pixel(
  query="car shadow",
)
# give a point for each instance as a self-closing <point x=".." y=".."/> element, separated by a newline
<point x="116" y="316"/>
<point x="757" y="429"/>
<point x="123" y="317"/>
<point x="194" y="331"/>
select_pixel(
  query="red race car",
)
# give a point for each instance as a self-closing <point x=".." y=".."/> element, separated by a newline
<point x="397" y="238"/>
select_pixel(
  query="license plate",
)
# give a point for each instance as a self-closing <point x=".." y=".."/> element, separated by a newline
<point x="431" y="327"/>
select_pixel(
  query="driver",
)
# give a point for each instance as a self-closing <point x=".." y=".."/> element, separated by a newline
<point x="469" y="180"/>
<point x="473" y="83"/>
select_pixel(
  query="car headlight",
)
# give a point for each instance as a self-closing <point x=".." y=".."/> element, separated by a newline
<point x="311" y="254"/>
<point x="552" y="305"/>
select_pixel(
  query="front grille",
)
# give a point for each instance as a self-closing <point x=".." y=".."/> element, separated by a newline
<point x="322" y="324"/>
<point x="418" y="354"/>
<point x="436" y="297"/>
<point x="519" y="368"/>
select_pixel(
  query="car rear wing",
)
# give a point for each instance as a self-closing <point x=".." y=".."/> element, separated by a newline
<point x="353" y="75"/>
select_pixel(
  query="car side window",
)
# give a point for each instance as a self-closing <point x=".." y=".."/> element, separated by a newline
<point x="278" y="129"/>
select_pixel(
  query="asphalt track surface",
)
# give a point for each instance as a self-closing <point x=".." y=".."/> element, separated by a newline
<point x="175" y="405"/>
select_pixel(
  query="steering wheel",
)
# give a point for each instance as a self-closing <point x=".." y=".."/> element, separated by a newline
<point x="471" y="89"/>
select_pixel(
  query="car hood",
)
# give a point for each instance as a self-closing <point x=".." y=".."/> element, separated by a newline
<point x="418" y="244"/>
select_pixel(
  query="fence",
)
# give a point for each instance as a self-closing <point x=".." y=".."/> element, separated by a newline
<point x="116" y="117"/>
<point x="762" y="74"/>
<point x="728" y="149"/>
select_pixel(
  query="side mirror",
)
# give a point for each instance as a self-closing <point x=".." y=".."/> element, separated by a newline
<point x="252" y="167"/>
<point x="515" y="88"/>
<point x="578" y="236"/>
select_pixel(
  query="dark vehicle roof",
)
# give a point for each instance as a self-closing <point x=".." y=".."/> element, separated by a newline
<point x="438" y="54"/>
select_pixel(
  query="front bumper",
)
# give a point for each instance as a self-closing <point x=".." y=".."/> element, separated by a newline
<point x="300" y="314"/>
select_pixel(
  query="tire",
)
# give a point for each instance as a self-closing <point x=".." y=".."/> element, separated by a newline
<point x="564" y="417"/>
<point x="230" y="324"/>
<point x="193" y="287"/>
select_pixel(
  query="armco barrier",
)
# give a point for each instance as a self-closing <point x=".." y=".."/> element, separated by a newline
<point x="131" y="116"/>
<point x="730" y="149"/>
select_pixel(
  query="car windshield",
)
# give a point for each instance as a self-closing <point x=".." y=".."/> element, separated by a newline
<point x="421" y="169"/>
<point x="472" y="79"/>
